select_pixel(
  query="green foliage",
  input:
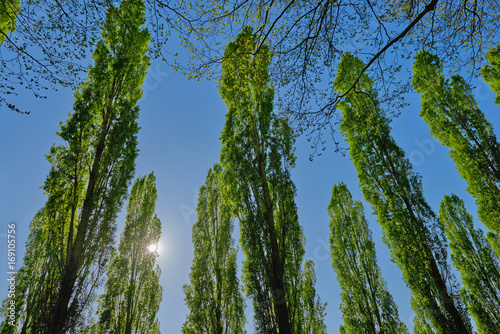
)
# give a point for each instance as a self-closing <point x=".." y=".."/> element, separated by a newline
<point x="494" y="241"/>
<point x="257" y="153"/>
<point x="133" y="293"/>
<point x="491" y="71"/>
<point x="475" y="259"/>
<point x="307" y="39"/>
<point x="449" y="108"/>
<point x="313" y="311"/>
<point x="8" y="13"/>
<point x="71" y="237"/>
<point x="214" y="299"/>
<point x="30" y="298"/>
<point x="52" y="40"/>
<point x="388" y="182"/>
<point x="367" y="306"/>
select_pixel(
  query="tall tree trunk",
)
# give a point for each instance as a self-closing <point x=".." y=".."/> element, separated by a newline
<point x="73" y="259"/>
<point x="279" y="292"/>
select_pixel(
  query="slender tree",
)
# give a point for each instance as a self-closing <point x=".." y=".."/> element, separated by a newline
<point x="389" y="184"/>
<point x="214" y="299"/>
<point x="133" y="293"/>
<point x="71" y="238"/>
<point x="313" y="311"/>
<point x="257" y="153"/>
<point x="367" y="305"/>
<point x="449" y="108"/>
<point x="475" y="259"/>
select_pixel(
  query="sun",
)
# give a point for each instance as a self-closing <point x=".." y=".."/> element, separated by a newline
<point x="153" y="248"/>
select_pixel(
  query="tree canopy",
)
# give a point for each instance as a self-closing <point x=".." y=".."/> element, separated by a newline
<point x="307" y="40"/>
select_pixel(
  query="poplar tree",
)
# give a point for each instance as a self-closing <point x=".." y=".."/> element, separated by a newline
<point x="71" y="237"/>
<point x="214" y="299"/>
<point x="475" y="259"/>
<point x="133" y="292"/>
<point x="313" y="313"/>
<point x="367" y="305"/>
<point x="410" y="227"/>
<point x="454" y="118"/>
<point x="257" y="154"/>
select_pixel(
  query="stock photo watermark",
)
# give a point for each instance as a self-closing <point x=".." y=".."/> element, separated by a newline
<point x="188" y="211"/>
<point x="11" y="273"/>
<point x="154" y="79"/>
<point x="426" y="148"/>
<point x="482" y="92"/>
<point x="321" y="251"/>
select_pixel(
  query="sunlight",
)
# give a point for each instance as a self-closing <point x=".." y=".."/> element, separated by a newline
<point x="153" y="248"/>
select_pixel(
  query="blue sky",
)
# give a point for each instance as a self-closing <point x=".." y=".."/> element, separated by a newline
<point x="180" y="123"/>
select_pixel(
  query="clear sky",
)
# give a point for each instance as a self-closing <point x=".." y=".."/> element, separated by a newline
<point x="180" y="123"/>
